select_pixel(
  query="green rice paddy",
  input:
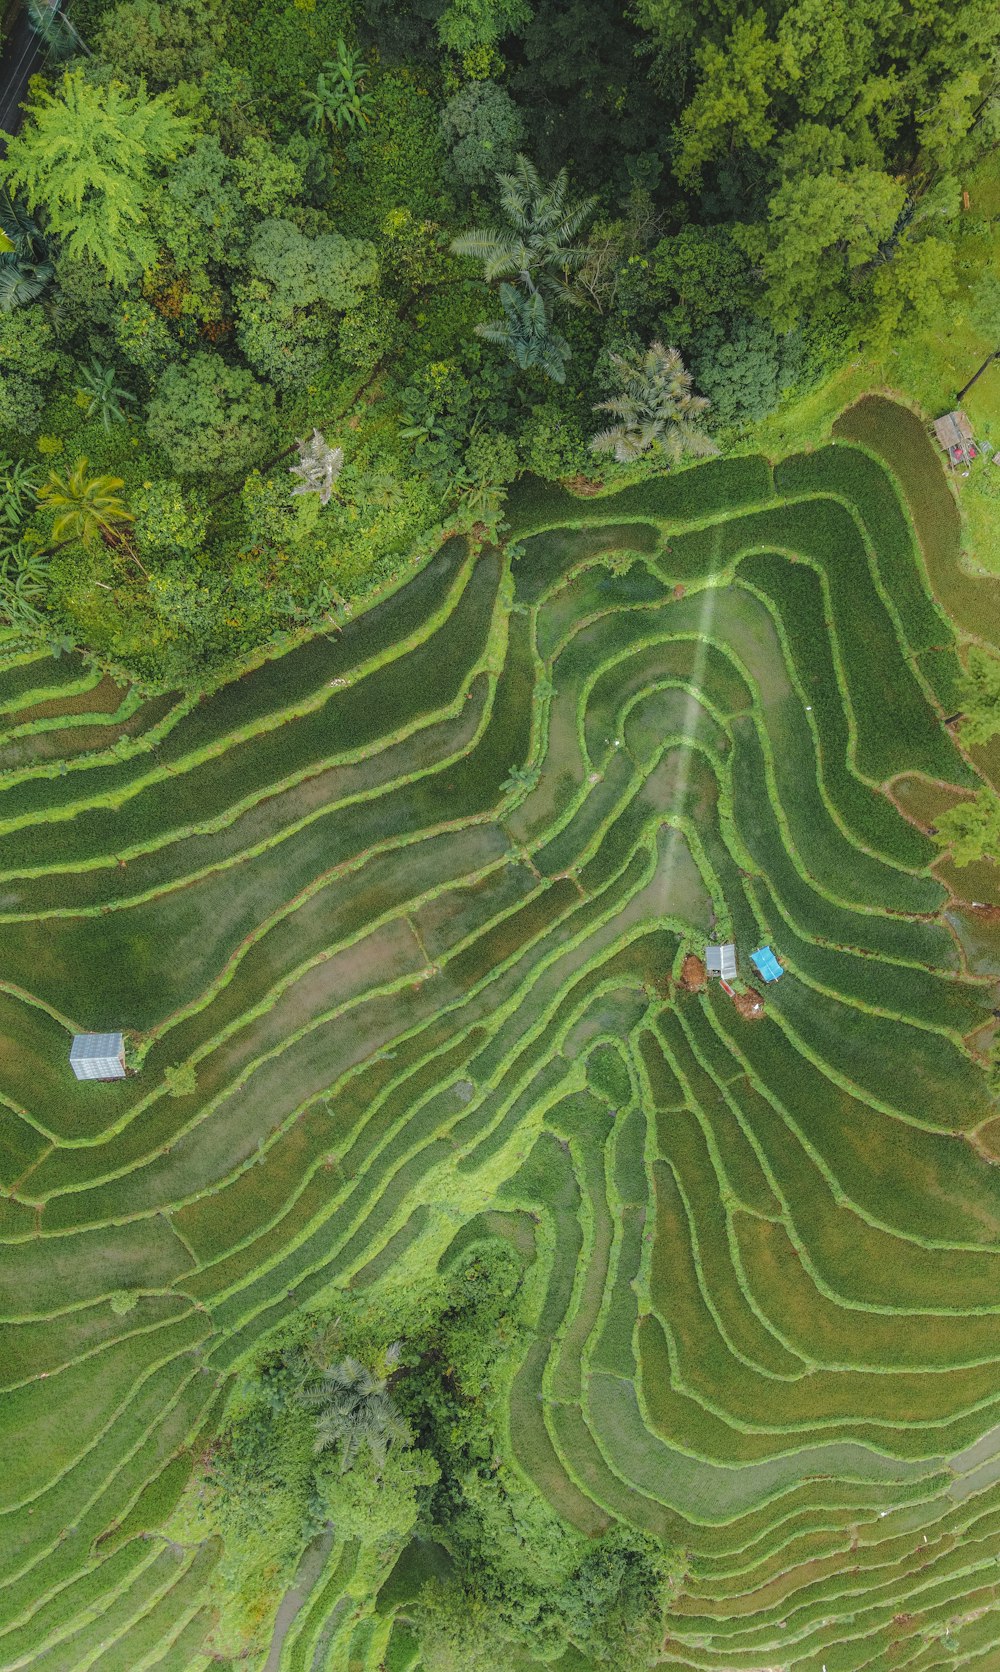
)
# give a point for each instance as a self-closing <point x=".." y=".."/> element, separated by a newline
<point x="412" y="904"/>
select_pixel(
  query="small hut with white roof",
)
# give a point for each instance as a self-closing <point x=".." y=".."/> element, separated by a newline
<point x="98" y="1056"/>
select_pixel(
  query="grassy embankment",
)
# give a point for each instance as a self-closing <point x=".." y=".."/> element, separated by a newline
<point x="426" y="1000"/>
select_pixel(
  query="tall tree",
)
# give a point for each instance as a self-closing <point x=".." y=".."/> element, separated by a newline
<point x="161" y="42"/>
<point x="468" y="25"/>
<point x="732" y="106"/>
<point x="655" y="409"/>
<point x="536" y="249"/>
<point x="88" y="155"/>
<point x="212" y="419"/>
<point x="971" y="829"/>
<point x="820" y="229"/>
<point x="526" y="332"/>
<point x="30" y="364"/>
<point x="484" y="130"/>
<point x="283" y="309"/>
<point x="354" y="1412"/>
<point x="917" y="281"/>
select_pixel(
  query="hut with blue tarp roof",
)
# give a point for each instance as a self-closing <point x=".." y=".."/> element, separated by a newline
<point x="766" y="964"/>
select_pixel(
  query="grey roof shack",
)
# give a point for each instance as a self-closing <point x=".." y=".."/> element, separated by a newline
<point x="98" y="1056"/>
<point x="721" y="961"/>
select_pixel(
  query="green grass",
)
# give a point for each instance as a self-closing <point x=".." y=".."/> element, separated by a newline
<point x="715" y="488"/>
<point x="746" y="1333"/>
<point x="819" y="911"/>
<point x="856" y="478"/>
<point x="795" y="590"/>
<point x="412" y="903"/>
<point x="901" y="440"/>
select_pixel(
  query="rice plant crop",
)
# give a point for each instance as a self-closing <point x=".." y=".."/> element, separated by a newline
<point x="396" y="928"/>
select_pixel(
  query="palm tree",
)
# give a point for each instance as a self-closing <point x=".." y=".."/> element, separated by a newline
<point x="382" y="490"/>
<point x="99" y="384"/>
<point x="526" y="333"/>
<point x="655" y="409"/>
<point x="88" y="506"/>
<point x="25" y="264"/>
<point x="354" y="1410"/>
<point x="536" y="249"/>
<point x="318" y="467"/>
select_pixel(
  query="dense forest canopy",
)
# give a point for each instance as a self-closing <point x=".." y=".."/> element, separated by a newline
<point x="449" y="239"/>
<point x="339" y="1423"/>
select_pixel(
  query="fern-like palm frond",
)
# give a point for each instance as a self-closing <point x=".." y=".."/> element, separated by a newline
<point x="519" y="190"/>
<point x="526" y="333"/>
<point x="494" y="331"/>
<point x="354" y="1412"/>
<point x="655" y="407"/>
<point x="537" y="247"/>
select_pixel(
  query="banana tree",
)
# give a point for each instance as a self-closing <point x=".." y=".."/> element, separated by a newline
<point x="338" y="98"/>
<point x="23" y="582"/>
<point x="26" y="258"/>
<point x="103" y="394"/>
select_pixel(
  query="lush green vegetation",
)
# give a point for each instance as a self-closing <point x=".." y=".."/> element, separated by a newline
<point x="314" y="1440"/>
<point x="460" y="1282"/>
<point x="446" y="582"/>
<point x="451" y="239"/>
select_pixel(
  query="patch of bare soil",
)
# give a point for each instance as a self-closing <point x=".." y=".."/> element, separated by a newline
<point x="694" y="977"/>
<point x="584" y="485"/>
<point x="749" y="1004"/>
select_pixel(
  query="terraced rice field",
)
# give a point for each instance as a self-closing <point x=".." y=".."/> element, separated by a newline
<point x="412" y="904"/>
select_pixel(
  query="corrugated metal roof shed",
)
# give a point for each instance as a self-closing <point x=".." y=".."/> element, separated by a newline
<point x="721" y="961"/>
<point x="98" y="1056"/>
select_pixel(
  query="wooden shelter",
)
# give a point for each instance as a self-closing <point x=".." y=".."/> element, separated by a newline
<point x="954" y="437"/>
